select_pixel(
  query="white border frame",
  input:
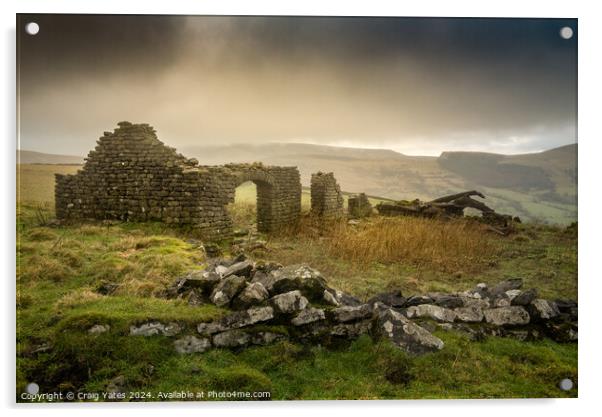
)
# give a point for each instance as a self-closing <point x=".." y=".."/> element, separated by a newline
<point x="590" y="152"/>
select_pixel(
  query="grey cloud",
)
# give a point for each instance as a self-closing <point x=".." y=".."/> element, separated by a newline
<point x="406" y="83"/>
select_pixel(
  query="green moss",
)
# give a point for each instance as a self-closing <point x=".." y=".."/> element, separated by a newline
<point x="122" y="311"/>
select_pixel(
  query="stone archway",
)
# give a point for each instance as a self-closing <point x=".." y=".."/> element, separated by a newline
<point x="265" y="184"/>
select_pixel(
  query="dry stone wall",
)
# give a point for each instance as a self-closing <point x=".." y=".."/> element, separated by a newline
<point x="132" y="175"/>
<point x="359" y="206"/>
<point x="265" y="302"/>
<point x="326" y="198"/>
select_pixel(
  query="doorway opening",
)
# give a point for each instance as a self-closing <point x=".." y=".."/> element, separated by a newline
<point x="243" y="211"/>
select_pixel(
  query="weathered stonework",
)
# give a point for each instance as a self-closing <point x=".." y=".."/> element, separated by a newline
<point x="359" y="206"/>
<point x="326" y="198"/>
<point x="298" y="304"/>
<point x="132" y="175"/>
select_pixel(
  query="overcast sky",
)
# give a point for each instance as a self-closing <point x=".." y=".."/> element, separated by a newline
<point x="415" y="85"/>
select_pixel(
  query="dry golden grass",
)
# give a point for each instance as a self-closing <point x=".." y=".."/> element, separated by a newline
<point x="40" y="268"/>
<point x="446" y="245"/>
<point x="77" y="297"/>
<point x="243" y="213"/>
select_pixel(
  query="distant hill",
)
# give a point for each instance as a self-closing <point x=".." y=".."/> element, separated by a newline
<point x="537" y="186"/>
<point x="31" y="157"/>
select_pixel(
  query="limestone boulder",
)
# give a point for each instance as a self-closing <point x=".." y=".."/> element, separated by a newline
<point x="296" y="277"/>
<point x="241" y="269"/>
<point x="507" y="316"/>
<point x="309" y="315"/>
<point x="350" y="313"/>
<point x="220" y="270"/>
<point x="568" y="308"/>
<point x="240" y="338"/>
<point x="416" y="300"/>
<point x="339" y="298"/>
<point x="192" y="344"/>
<point x="289" y="302"/>
<point x="481" y="290"/>
<point x="404" y="333"/>
<point x="228" y="288"/>
<point x="266" y="338"/>
<point x="470" y="314"/>
<point x="231" y="339"/>
<point x="524" y="298"/>
<point x="329" y="298"/>
<point x="512" y="294"/>
<point x="194" y="298"/>
<point x="351" y="330"/>
<point x="446" y="300"/>
<point x="237" y="320"/>
<point x="254" y="293"/>
<point x="199" y="280"/>
<point x="500" y="300"/>
<point x="541" y="309"/>
<point x="475" y="302"/>
<point x="155" y="328"/>
<point x="431" y="311"/>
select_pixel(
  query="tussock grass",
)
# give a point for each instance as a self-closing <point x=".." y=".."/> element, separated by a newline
<point x="142" y="262"/>
<point x="41" y="234"/>
<point x="41" y="268"/>
<point x="77" y="297"/>
<point x="449" y="246"/>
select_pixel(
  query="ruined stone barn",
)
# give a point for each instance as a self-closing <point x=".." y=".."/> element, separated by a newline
<point x="132" y="175"/>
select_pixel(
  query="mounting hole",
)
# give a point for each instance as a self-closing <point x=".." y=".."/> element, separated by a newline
<point x="32" y="28"/>
<point x="566" y="32"/>
<point x="566" y="384"/>
<point x="32" y="388"/>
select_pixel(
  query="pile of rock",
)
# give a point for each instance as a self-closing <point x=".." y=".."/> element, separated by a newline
<point x="502" y="310"/>
<point x="271" y="303"/>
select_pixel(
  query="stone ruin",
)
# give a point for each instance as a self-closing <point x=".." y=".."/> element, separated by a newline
<point x="268" y="303"/>
<point x="359" y="206"/>
<point x="450" y="207"/>
<point x="132" y="175"/>
<point x="326" y="197"/>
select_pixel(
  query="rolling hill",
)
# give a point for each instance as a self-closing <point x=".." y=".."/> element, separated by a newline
<point x="537" y="186"/>
<point x="32" y="157"/>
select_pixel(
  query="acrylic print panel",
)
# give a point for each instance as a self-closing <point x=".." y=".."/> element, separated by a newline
<point x="295" y="208"/>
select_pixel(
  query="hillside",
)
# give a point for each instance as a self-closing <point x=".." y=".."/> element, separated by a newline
<point x="537" y="186"/>
<point x="32" y="157"/>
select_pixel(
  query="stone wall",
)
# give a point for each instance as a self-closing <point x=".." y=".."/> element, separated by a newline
<point x="326" y="198"/>
<point x="265" y="302"/>
<point x="132" y="175"/>
<point x="359" y="206"/>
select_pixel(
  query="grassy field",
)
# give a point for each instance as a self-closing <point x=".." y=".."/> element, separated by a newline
<point x="59" y="270"/>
